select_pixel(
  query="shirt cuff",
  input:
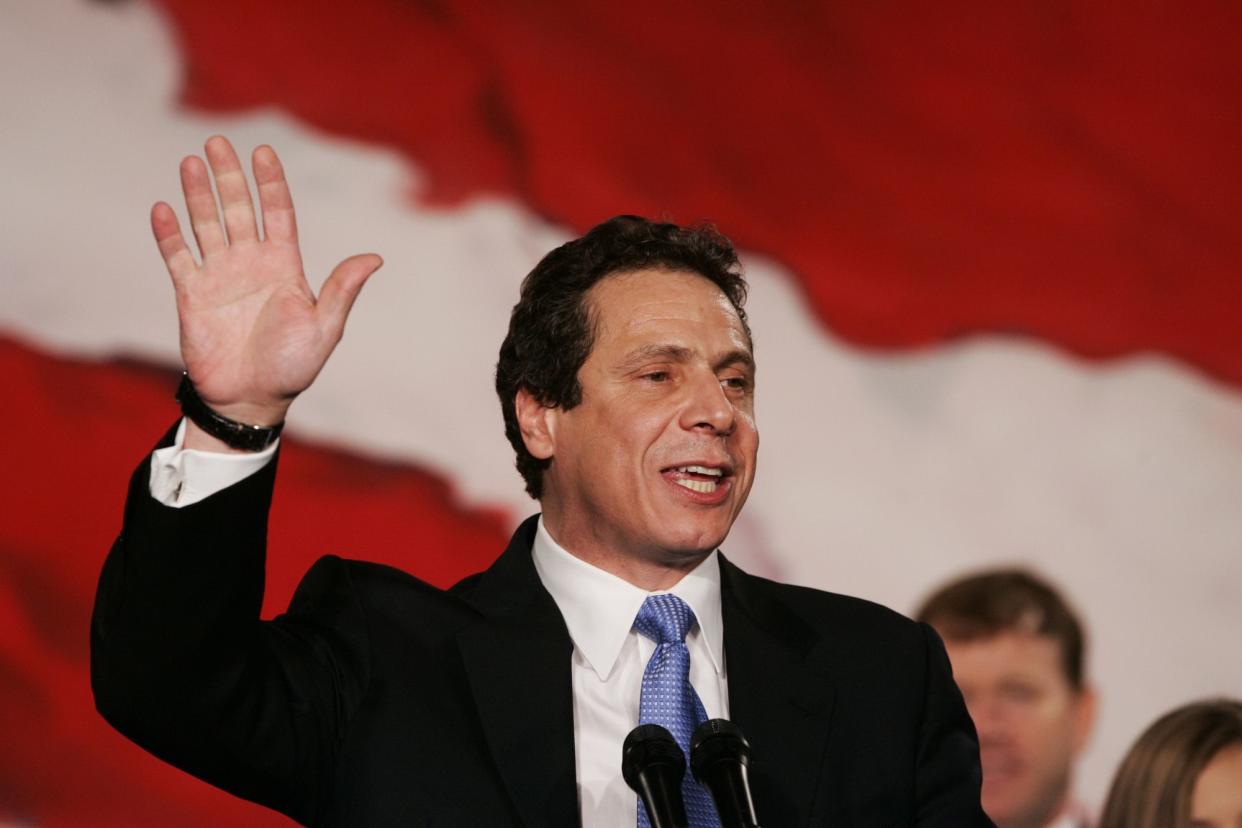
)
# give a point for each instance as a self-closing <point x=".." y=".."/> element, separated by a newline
<point x="180" y="477"/>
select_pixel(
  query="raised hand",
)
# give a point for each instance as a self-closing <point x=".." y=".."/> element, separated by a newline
<point x="253" y="333"/>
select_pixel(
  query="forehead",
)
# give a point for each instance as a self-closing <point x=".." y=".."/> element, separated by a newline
<point x="1006" y="655"/>
<point x="1217" y="796"/>
<point x="637" y="304"/>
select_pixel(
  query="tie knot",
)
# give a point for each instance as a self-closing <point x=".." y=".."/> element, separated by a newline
<point x="664" y="619"/>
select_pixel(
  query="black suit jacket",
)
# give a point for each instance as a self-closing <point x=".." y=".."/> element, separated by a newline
<point x="377" y="699"/>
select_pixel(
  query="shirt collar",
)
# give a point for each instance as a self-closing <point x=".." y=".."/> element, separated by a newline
<point x="599" y="608"/>
<point x="1073" y="815"/>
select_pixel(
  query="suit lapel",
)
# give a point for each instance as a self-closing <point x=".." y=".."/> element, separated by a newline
<point x="779" y="695"/>
<point x="517" y="657"/>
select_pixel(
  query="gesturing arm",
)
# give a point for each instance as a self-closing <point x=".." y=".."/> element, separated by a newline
<point x="180" y="661"/>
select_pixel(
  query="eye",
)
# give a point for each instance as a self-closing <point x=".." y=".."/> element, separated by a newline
<point x="656" y="376"/>
<point x="1021" y="693"/>
<point x="736" y="383"/>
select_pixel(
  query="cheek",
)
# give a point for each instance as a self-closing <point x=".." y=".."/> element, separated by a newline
<point x="652" y="439"/>
<point x="1051" y="735"/>
<point x="753" y="444"/>
<point x="746" y="438"/>
<point x="746" y="423"/>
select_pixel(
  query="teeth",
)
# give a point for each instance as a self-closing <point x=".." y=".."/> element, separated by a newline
<point x="700" y="470"/>
<point x="700" y="486"/>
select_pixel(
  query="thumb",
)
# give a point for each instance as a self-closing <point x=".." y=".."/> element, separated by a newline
<point x="341" y="289"/>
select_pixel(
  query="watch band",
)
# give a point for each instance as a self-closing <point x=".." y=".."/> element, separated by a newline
<point x="234" y="434"/>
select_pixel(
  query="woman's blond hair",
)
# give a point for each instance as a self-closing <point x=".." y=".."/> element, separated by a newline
<point x="1154" y="785"/>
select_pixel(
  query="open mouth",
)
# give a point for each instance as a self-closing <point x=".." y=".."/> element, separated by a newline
<point x="699" y="479"/>
<point x="1001" y="770"/>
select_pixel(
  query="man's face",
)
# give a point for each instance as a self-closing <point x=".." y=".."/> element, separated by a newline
<point x="1031" y="723"/>
<point x="656" y="461"/>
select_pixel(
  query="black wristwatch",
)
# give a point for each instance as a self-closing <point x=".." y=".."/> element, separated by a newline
<point x="234" y="434"/>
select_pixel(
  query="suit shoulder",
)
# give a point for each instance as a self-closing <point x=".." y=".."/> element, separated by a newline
<point x="364" y="575"/>
<point x="844" y="618"/>
<point x="872" y="651"/>
<point x="380" y="587"/>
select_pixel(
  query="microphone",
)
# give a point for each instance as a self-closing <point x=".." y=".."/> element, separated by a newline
<point x="720" y="759"/>
<point x="653" y="765"/>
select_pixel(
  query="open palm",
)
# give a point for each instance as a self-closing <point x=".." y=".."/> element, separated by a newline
<point x="253" y="333"/>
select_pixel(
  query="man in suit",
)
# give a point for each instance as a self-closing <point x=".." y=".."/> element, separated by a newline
<point x="627" y="387"/>
<point x="1018" y="652"/>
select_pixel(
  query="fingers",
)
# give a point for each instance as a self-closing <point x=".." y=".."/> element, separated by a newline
<point x="341" y="289"/>
<point x="279" y="221"/>
<point x="177" y="256"/>
<point x="201" y="204"/>
<point x="234" y="192"/>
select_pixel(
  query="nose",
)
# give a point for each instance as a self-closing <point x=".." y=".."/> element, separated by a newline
<point x="990" y="721"/>
<point x="708" y="408"/>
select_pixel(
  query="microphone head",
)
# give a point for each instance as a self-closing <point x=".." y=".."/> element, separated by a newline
<point x="716" y="740"/>
<point x="647" y="746"/>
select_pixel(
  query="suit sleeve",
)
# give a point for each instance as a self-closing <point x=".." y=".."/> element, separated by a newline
<point x="182" y="664"/>
<point x="948" y="777"/>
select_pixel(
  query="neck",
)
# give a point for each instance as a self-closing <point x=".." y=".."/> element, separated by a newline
<point x="1059" y="812"/>
<point x="1045" y="816"/>
<point x="647" y="576"/>
<point x="649" y="570"/>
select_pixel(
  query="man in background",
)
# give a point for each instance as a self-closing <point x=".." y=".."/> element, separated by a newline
<point x="1017" y="650"/>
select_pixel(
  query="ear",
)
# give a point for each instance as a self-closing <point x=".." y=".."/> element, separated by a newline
<point x="1084" y="716"/>
<point x="537" y="424"/>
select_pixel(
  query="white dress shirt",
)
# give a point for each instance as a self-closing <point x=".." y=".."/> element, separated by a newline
<point x="1074" y="815"/>
<point x="599" y="610"/>
<point x="181" y="476"/>
<point x="608" y="662"/>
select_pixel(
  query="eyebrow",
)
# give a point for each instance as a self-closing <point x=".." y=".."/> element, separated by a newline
<point x="679" y="353"/>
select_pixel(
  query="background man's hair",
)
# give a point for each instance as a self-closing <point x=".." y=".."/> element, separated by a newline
<point x="552" y="327"/>
<point x="989" y="603"/>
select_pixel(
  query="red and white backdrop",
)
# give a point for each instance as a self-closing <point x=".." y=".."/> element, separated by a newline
<point x="997" y="277"/>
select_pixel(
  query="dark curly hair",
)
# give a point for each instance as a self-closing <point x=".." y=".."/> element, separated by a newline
<point x="552" y="327"/>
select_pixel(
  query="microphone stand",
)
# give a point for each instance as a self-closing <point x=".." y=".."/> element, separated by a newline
<point x="653" y="765"/>
<point x="720" y="759"/>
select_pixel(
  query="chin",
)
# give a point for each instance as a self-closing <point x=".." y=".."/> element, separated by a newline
<point x="1001" y="809"/>
<point x="698" y="539"/>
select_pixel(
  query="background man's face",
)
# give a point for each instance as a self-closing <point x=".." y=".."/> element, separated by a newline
<point x="1031" y="723"/>
<point x="658" y="458"/>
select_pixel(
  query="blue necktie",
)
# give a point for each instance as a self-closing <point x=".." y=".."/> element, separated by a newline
<point x="667" y="697"/>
